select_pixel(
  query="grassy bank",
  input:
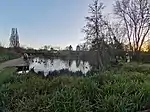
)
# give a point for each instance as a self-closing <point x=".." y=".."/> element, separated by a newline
<point x="123" y="90"/>
<point x="6" y="54"/>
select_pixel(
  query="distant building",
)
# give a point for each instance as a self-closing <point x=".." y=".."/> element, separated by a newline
<point x="14" y="38"/>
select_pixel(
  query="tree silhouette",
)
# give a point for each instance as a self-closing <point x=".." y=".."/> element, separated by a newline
<point x="78" y="48"/>
<point x="70" y="48"/>
<point x="93" y="29"/>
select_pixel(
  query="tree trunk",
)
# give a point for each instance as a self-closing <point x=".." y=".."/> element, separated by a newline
<point x="100" y="64"/>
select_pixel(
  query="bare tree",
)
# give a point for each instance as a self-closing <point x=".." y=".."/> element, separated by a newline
<point x="116" y="30"/>
<point x="119" y="32"/>
<point x="115" y="33"/>
<point x="84" y="47"/>
<point x="2" y="44"/>
<point x="135" y="15"/>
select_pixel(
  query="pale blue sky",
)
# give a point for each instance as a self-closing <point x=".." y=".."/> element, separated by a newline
<point x="45" y="22"/>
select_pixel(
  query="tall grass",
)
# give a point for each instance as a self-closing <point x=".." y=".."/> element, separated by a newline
<point x="112" y="91"/>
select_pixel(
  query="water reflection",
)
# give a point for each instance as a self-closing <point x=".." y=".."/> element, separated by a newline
<point x="52" y="61"/>
<point x="78" y="63"/>
<point x="46" y="63"/>
<point x="70" y="62"/>
<point x="58" y="66"/>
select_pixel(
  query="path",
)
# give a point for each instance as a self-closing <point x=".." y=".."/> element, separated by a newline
<point x="12" y="63"/>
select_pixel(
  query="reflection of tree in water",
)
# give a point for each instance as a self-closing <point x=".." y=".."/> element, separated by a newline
<point x="83" y="64"/>
<point x="45" y="63"/>
<point x="82" y="67"/>
<point x="52" y="61"/>
<point x="78" y="63"/>
<point x="65" y="62"/>
<point x="70" y="63"/>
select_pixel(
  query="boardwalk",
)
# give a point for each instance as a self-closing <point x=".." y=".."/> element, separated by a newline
<point x="13" y="63"/>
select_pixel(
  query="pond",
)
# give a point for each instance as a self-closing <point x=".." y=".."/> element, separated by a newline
<point x="58" y="66"/>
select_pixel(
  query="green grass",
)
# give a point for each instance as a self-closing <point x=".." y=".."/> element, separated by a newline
<point x="6" y="74"/>
<point x="123" y="90"/>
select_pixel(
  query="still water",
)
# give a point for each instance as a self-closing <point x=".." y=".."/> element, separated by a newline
<point x="48" y="66"/>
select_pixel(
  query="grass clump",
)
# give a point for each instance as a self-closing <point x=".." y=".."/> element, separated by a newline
<point x="111" y="91"/>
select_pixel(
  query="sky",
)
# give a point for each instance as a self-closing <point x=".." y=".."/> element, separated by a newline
<point x="45" y="22"/>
